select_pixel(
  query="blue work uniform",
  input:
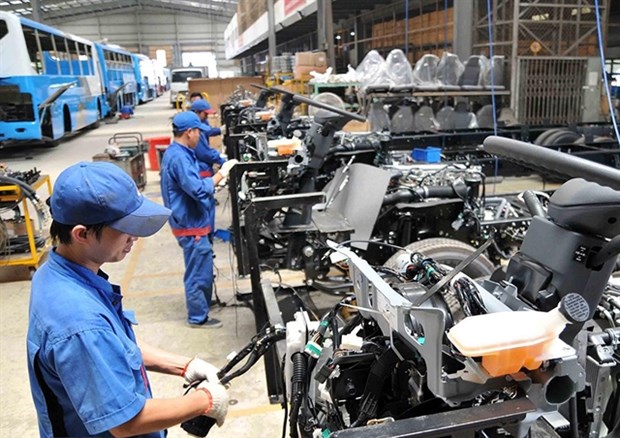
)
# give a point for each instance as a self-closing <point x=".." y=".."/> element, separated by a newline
<point x="86" y="370"/>
<point x="190" y="198"/>
<point x="207" y="157"/>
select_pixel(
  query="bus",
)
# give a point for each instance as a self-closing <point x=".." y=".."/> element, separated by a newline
<point x="121" y="77"/>
<point x="148" y="78"/>
<point x="50" y="83"/>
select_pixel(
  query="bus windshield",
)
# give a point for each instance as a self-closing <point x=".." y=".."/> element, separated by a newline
<point x="183" y="76"/>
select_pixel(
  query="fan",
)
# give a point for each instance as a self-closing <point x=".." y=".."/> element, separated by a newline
<point x="328" y="99"/>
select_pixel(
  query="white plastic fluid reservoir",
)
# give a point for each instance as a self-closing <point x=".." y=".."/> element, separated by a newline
<point x="509" y="341"/>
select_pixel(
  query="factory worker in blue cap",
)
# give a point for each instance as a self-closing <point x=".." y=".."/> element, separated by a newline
<point x="206" y="155"/>
<point x="190" y="198"/>
<point x="87" y="369"/>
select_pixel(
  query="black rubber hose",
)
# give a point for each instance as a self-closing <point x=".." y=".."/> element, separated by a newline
<point x="611" y="249"/>
<point x="533" y="204"/>
<point x="419" y="193"/>
<point x="574" y="423"/>
<point x="300" y="362"/>
<point x="379" y="371"/>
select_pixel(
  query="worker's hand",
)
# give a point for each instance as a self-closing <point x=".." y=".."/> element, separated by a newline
<point x="225" y="169"/>
<point x="223" y="130"/>
<point x="198" y="369"/>
<point x="219" y="401"/>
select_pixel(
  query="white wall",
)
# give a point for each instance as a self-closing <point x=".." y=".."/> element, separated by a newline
<point x="144" y="31"/>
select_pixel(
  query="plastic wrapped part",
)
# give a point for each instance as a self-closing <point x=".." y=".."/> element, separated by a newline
<point x="507" y="117"/>
<point x="328" y="99"/>
<point x="369" y="65"/>
<point x="496" y="68"/>
<point x="463" y="118"/>
<point x="378" y="117"/>
<point x="449" y="71"/>
<point x="485" y="117"/>
<point x="322" y="78"/>
<point x="402" y="120"/>
<point x="425" y="72"/>
<point x="399" y="68"/>
<point x="372" y="70"/>
<point x="445" y="118"/>
<point x="424" y="119"/>
<point x="471" y="79"/>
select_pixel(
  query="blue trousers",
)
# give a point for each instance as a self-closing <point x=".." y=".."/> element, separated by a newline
<point x="198" y="278"/>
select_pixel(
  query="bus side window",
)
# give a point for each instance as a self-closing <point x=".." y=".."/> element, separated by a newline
<point x="85" y="60"/>
<point x="63" y="55"/>
<point x="74" y="52"/>
<point x="46" y="52"/>
<point x="30" y="35"/>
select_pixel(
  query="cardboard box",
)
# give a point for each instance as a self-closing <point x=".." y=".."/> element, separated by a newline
<point x="219" y="90"/>
<point x="320" y="59"/>
<point x="304" y="58"/>
<point x="15" y="228"/>
<point x="302" y="72"/>
<point x="215" y="142"/>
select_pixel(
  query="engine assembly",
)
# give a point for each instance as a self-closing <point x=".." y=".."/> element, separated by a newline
<point x="424" y="350"/>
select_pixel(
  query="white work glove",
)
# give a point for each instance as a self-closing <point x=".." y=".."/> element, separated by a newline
<point x="219" y="398"/>
<point x="223" y="130"/>
<point x="198" y="369"/>
<point x="225" y="169"/>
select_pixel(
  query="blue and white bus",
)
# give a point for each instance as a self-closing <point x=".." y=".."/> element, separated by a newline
<point x="50" y="82"/>
<point x="121" y="77"/>
<point x="147" y="89"/>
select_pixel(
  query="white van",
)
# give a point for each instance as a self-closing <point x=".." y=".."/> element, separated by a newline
<point x="179" y="78"/>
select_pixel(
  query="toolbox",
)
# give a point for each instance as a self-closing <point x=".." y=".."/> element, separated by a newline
<point x="130" y="156"/>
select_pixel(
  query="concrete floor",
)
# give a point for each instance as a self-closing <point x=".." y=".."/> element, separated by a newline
<point x="151" y="278"/>
<point x="152" y="281"/>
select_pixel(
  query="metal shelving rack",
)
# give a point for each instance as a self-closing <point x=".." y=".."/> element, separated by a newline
<point x="32" y="258"/>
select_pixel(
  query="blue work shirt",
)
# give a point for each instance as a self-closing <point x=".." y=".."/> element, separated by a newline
<point x="82" y="346"/>
<point x="207" y="156"/>
<point x="183" y="190"/>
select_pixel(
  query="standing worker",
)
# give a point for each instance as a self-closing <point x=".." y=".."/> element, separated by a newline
<point x="190" y="198"/>
<point x="87" y="370"/>
<point x="206" y="155"/>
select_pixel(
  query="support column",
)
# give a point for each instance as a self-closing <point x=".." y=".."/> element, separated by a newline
<point x="325" y="22"/>
<point x="138" y="31"/>
<point x="514" y="72"/>
<point x="271" y="36"/>
<point x="36" y="10"/>
<point x="463" y="29"/>
<point x="177" y="58"/>
<point x="354" y="54"/>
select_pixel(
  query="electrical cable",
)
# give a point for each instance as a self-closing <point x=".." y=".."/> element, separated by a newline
<point x="284" y="397"/>
<point x="601" y="51"/>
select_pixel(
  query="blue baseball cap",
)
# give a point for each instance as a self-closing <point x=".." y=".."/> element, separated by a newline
<point x="187" y="120"/>
<point x="202" y="105"/>
<point x="101" y="193"/>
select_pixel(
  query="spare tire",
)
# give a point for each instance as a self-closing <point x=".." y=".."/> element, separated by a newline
<point x="448" y="252"/>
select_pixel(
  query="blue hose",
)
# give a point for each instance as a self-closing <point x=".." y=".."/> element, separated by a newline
<point x="601" y="50"/>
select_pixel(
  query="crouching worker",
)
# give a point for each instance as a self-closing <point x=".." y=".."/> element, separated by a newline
<point x="87" y="369"/>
